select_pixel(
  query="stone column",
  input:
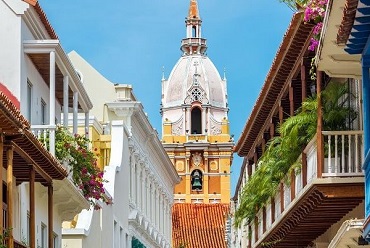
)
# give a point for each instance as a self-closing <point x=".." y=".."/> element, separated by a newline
<point x="184" y="120"/>
<point x="52" y="102"/>
<point x="143" y="192"/>
<point x="65" y="100"/>
<point x="138" y="185"/>
<point x="203" y="121"/>
<point x="87" y="123"/>
<point x="188" y="124"/>
<point x="75" y="112"/>
<point x="130" y="180"/>
<point x="128" y="241"/>
<point x="152" y="202"/>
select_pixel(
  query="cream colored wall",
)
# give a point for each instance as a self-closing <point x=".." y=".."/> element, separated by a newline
<point x="97" y="87"/>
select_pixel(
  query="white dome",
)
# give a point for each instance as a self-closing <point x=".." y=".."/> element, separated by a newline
<point x="194" y="77"/>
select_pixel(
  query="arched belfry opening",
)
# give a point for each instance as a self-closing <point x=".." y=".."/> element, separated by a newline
<point x="196" y="121"/>
<point x="194" y="32"/>
<point x="197" y="180"/>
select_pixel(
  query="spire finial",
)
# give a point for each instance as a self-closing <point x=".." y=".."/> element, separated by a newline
<point x="224" y="74"/>
<point x="163" y="78"/>
<point x="193" y="10"/>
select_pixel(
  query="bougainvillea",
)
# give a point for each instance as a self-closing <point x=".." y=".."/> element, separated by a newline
<point x="74" y="150"/>
<point x="315" y="13"/>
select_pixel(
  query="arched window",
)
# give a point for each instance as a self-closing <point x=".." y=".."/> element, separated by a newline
<point x="197" y="180"/>
<point x="196" y="121"/>
<point x="194" y="29"/>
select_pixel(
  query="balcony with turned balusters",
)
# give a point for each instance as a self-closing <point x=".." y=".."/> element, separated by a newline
<point x="315" y="196"/>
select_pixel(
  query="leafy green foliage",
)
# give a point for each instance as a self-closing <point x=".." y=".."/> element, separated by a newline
<point x="74" y="151"/>
<point x="3" y="237"/>
<point x="294" y="4"/>
<point x="283" y="151"/>
<point x="337" y="112"/>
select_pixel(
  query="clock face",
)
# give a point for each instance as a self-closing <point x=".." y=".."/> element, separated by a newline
<point x="197" y="159"/>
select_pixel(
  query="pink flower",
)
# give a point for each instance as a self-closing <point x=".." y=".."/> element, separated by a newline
<point x="314" y="43"/>
<point x="317" y="28"/>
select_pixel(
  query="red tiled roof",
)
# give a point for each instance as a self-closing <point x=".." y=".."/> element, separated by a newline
<point x="10" y="95"/>
<point x="40" y="12"/>
<point x="46" y="22"/>
<point x="32" y="2"/>
<point x="16" y="131"/>
<point x="199" y="225"/>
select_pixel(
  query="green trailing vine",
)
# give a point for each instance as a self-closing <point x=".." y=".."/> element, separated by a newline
<point x="283" y="151"/>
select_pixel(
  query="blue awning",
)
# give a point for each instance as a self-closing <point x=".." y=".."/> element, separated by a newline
<point x="358" y="42"/>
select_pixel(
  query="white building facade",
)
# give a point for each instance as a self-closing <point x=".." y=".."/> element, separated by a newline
<point x="140" y="176"/>
<point x="41" y="83"/>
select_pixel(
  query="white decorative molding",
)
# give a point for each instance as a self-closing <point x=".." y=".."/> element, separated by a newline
<point x="18" y="7"/>
<point x="196" y="94"/>
<point x="177" y="127"/>
<point x="215" y="126"/>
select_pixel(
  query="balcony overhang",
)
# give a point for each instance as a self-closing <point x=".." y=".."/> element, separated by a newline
<point x="69" y="199"/>
<point x="38" y="51"/>
<point x="334" y="60"/>
<point x="323" y="204"/>
<point x="15" y="133"/>
<point x="349" y="235"/>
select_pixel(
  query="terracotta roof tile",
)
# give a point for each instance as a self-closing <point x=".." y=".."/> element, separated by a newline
<point x="45" y="21"/>
<point x="14" y="124"/>
<point x="32" y="2"/>
<point x="199" y="225"/>
<point x="43" y="18"/>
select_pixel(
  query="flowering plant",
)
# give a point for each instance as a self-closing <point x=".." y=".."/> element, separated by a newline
<point x="315" y="12"/>
<point x="75" y="151"/>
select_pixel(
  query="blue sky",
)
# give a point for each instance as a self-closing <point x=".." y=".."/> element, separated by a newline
<point x="130" y="41"/>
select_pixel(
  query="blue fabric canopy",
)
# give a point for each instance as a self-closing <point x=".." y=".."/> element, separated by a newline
<point x="358" y="40"/>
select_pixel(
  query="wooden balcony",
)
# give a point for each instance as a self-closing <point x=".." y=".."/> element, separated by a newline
<point x="315" y="198"/>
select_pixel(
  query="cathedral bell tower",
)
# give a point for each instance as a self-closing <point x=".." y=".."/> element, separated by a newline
<point x="195" y="126"/>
